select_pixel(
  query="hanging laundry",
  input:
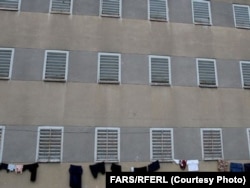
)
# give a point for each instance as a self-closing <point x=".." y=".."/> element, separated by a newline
<point x="154" y="166"/>
<point x="4" y="166"/>
<point x="11" y="167"/>
<point x="143" y="169"/>
<point x="97" y="168"/>
<point x="222" y="165"/>
<point x="75" y="176"/>
<point x="116" y="168"/>
<point x="19" y="169"/>
<point x="247" y="167"/>
<point x="193" y="165"/>
<point x="236" y="167"/>
<point x="183" y="164"/>
<point x="33" y="170"/>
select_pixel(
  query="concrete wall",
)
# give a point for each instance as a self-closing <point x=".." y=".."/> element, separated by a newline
<point x="80" y="104"/>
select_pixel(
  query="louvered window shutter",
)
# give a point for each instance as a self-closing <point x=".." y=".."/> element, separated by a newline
<point x="158" y="10"/>
<point x="1" y="141"/>
<point x="50" y="145"/>
<point x="201" y="12"/>
<point x="9" y="4"/>
<point x="241" y="15"/>
<point x="160" y="71"/>
<point x="245" y="68"/>
<point x="56" y="66"/>
<point x="5" y="63"/>
<point x="61" y="6"/>
<point x="109" y="68"/>
<point x="212" y="144"/>
<point x="111" y="8"/>
<point x="161" y="144"/>
<point x="207" y="73"/>
<point x="107" y="146"/>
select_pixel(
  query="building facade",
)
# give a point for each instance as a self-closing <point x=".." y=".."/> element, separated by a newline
<point x="122" y="81"/>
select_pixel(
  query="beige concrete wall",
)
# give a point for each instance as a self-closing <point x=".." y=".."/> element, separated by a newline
<point x="43" y="103"/>
<point x="91" y="33"/>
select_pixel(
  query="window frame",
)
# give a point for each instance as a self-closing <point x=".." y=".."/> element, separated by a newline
<point x="239" y="5"/>
<point x="2" y="142"/>
<point x="202" y="144"/>
<point x="60" y="12"/>
<point x="45" y="65"/>
<point x="155" y="19"/>
<point x="11" y="63"/>
<point x="209" y="13"/>
<point x="198" y="73"/>
<point x="99" y="70"/>
<point x="150" y="70"/>
<point x="110" y="15"/>
<point x="96" y="144"/>
<point x="61" y="146"/>
<point x="242" y="76"/>
<point x="248" y="139"/>
<point x="13" y="9"/>
<point x="151" y="144"/>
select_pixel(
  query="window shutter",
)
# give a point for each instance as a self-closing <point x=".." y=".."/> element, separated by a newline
<point x="9" y="4"/>
<point x="160" y="71"/>
<point x="245" y="68"/>
<point x="107" y="146"/>
<point x="109" y="67"/>
<point x="212" y="144"/>
<point x="61" y="6"/>
<point x="158" y="10"/>
<point x="111" y="8"/>
<point x="50" y="145"/>
<point x="201" y="12"/>
<point x="5" y="63"/>
<point x="241" y="14"/>
<point x="161" y="144"/>
<point x="56" y="66"/>
<point x="207" y="73"/>
<point x="1" y="141"/>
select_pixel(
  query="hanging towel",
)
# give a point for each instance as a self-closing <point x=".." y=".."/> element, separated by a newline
<point x="154" y="166"/>
<point x="19" y="169"/>
<point x="236" y="167"/>
<point x="75" y="180"/>
<point x="193" y="165"/>
<point x="222" y="165"/>
<point x="33" y="170"/>
<point x="11" y="167"/>
<point x="97" y="168"/>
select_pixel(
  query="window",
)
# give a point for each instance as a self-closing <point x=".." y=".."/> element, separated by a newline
<point x="241" y="16"/>
<point x="61" y="6"/>
<point x="161" y="144"/>
<point x="55" y="65"/>
<point x="109" y="68"/>
<point x="212" y="148"/>
<point x="159" y="70"/>
<point x="2" y="129"/>
<point x="248" y="138"/>
<point x="158" y="10"/>
<point x="207" y="76"/>
<point x="110" y="8"/>
<point x="245" y="74"/>
<point x="201" y="12"/>
<point x="6" y="61"/>
<point x="107" y="144"/>
<point x="49" y="144"/>
<point x="10" y="4"/>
